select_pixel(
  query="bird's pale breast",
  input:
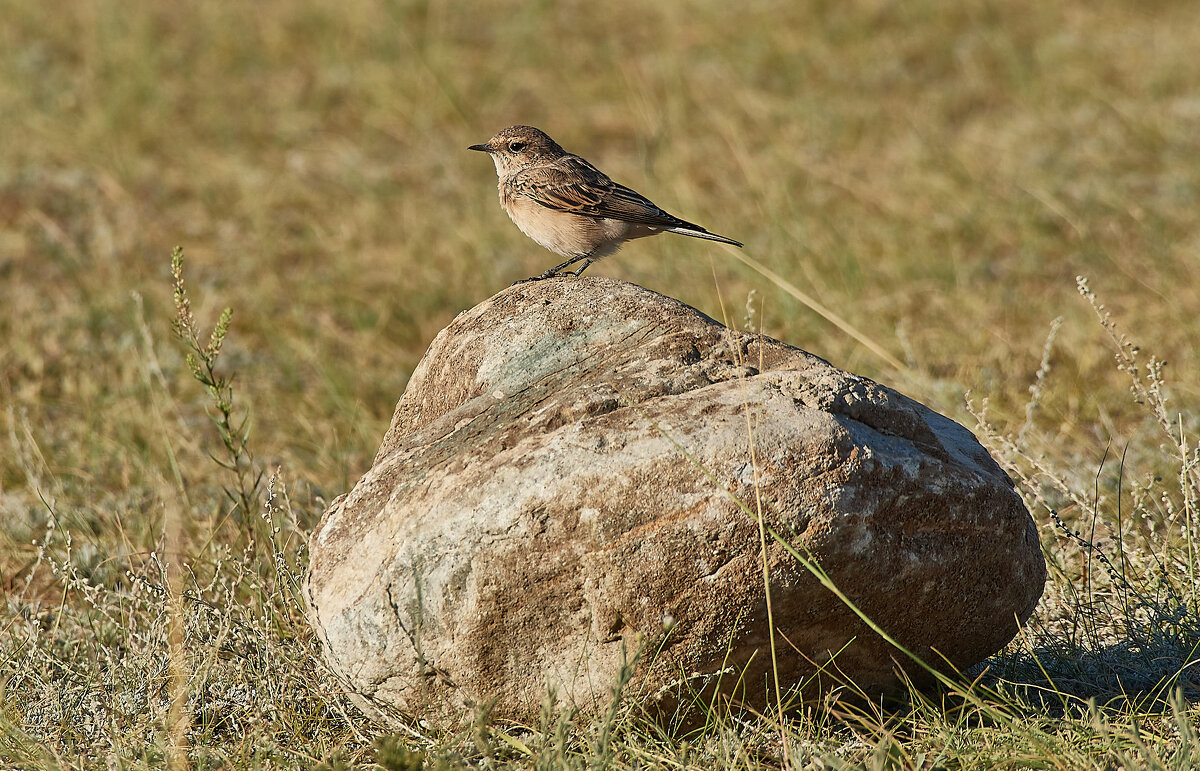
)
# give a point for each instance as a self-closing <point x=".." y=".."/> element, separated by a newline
<point x="571" y="235"/>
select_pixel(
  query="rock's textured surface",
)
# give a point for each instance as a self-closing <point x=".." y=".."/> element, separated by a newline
<point x="557" y="491"/>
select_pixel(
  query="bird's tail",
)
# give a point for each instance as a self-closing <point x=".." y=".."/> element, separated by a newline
<point x="695" y="231"/>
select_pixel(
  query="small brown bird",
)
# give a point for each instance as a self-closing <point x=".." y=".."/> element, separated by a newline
<point x="568" y="205"/>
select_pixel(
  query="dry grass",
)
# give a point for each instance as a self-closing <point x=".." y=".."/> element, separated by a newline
<point x="936" y="175"/>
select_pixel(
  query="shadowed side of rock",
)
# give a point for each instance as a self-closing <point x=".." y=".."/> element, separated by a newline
<point x="558" y="487"/>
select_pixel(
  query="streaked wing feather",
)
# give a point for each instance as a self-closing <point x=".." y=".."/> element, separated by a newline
<point x="630" y="206"/>
<point x="573" y="185"/>
<point x="576" y="198"/>
<point x="577" y="188"/>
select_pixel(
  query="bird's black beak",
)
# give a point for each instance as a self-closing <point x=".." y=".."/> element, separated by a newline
<point x="480" y="148"/>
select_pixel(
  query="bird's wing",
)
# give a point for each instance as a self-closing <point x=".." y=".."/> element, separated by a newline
<point x="573" y="185"/>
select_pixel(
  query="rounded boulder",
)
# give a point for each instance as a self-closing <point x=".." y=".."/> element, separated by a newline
<point x="576" y="490"/>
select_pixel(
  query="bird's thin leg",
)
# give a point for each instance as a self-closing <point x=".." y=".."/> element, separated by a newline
<point x="582" y="268"/>
<point x="555" y="272"/>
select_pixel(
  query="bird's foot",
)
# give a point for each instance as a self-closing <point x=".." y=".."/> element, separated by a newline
<point x="558" y="270"/>
<point x="542" y="277"/>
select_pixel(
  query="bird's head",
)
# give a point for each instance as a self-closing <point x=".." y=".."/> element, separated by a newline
<point x="519" y="147"/>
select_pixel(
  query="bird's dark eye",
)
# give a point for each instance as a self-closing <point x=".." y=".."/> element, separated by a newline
<point x="516" y="147"/>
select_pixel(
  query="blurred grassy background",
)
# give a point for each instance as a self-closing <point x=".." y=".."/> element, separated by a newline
<point x="936" y="173"/>
<point x="938" y="176"/>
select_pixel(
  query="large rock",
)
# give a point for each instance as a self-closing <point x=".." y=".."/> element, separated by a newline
<point x="557" y="490"/>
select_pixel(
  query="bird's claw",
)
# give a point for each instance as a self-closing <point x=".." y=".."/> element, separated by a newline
<point x="542" y="277"/>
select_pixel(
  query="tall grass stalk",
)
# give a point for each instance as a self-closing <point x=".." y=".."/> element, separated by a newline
<point x="233" y="432"/>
